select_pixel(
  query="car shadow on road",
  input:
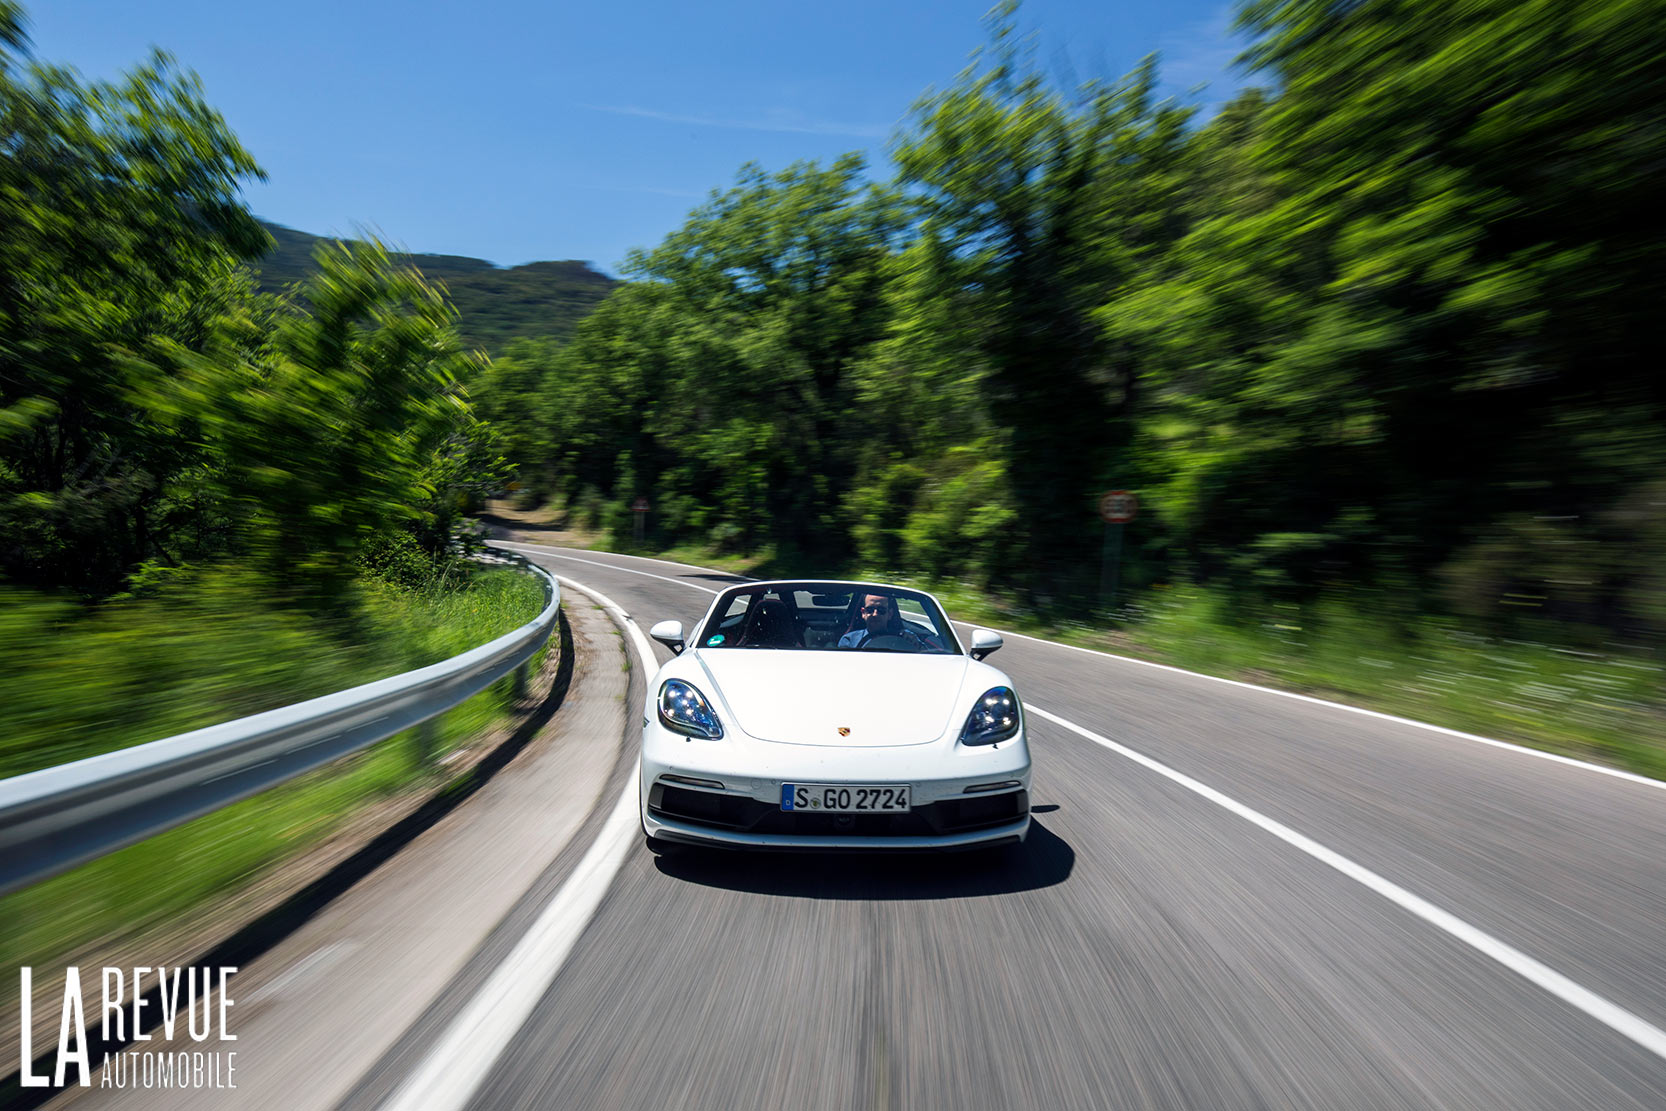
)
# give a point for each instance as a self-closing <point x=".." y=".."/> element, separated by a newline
<point x="1043" y="860"/>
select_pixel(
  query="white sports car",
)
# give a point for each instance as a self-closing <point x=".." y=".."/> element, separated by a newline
<point x="832" y="715"/>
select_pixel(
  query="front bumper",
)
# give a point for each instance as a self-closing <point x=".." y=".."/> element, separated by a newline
<point x="728" y="793"/>
<point x="684" y="833"/>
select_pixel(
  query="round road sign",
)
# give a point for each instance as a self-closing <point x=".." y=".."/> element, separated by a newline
<point x="1118" y="507"/>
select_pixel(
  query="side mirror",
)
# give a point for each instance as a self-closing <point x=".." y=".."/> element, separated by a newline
<point x="984" y="641"/>
<point x="670" y="634"/>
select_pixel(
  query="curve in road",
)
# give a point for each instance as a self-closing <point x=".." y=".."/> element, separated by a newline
<point x="1148" y="947"/>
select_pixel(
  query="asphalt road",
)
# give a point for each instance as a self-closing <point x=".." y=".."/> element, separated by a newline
<point x="1492" y="936"/>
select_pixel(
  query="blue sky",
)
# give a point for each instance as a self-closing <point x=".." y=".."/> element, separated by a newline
<point x="519" y="131"/>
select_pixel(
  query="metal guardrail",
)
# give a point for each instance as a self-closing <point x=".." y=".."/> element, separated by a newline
<point x="53" y="819"/>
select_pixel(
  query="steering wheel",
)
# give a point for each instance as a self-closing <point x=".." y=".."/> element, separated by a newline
<point x="889" y="642"/>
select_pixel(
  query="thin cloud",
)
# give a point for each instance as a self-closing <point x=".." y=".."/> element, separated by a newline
<point x="1204" y="54"/>
<point x="776" y="121"/>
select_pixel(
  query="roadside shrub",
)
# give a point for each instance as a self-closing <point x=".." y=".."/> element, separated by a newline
<point x="964" y="524"/>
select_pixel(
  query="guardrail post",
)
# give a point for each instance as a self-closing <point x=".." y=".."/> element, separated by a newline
<point x="427" y="741"/>
<point x="517" y="685"/>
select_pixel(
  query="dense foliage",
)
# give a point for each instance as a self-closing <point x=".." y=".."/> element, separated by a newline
<point x="156" y="412"/>
<point x="1383" y="324"/>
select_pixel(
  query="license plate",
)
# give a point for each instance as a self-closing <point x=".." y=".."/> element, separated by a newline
<point x="844" y="798"/>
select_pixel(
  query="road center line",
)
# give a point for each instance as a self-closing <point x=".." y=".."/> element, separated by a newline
<point x="1610" y="1014"/>
<point x="466" y="1052"/>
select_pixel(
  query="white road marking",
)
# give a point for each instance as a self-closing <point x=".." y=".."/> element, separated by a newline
<point x="1615" y="1017"/>
<point x="1476" y="738"/>
<point x="466" y="1053"/>
<point x="609" y="566"/>
<point x="1379" y="715"/>
<point x="1610" y="1014"/>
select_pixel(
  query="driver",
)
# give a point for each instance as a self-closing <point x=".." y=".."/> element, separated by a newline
<point x="879" y="618"/>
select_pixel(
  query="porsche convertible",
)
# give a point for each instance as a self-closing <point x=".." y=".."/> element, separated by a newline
<point x="831" y="715"/>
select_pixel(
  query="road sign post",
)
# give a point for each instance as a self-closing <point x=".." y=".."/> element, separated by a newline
<point x="1110" y="566"/>
<point x="639" y="508"/>
<point x="1116" y="509"/>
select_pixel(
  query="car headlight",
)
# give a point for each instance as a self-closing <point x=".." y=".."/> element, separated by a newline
<point x="994" y="717"/>
<point x="683" y="709"/>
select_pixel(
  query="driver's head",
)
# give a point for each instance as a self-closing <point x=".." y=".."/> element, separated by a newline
<point x="877" y="612"/>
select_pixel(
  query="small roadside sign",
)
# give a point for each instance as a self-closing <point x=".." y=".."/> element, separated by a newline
<point x="1118" y="507"/>
<point x="640" y="505"/>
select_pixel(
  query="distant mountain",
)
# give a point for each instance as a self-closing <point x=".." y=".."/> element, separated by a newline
<point x="495" y="304"/>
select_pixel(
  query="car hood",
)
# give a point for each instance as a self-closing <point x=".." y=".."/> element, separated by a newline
<point x="806" y="697"/>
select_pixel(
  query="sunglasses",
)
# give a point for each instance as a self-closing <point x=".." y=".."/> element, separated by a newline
<point x="881" y="608"/>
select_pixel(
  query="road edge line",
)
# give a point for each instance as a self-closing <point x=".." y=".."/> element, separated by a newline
<point x="471" y="1045"/>
<point x="1610" y="1014"/>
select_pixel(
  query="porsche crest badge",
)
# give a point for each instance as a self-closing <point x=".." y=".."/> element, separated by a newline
<point x="844" y="730"/>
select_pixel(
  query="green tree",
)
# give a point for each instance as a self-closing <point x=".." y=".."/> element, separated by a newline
<point x="329" y="426"/>
<point x="507" y="396"/>
<point x="122" y="225"/>
<point x="1035" y="208"/>
<point x="720" y="383"/>
<point x="784" y="273"/>
<point x="1415" y="301"/>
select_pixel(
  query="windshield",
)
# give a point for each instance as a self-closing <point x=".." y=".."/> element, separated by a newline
<point x="828" y="617"/>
